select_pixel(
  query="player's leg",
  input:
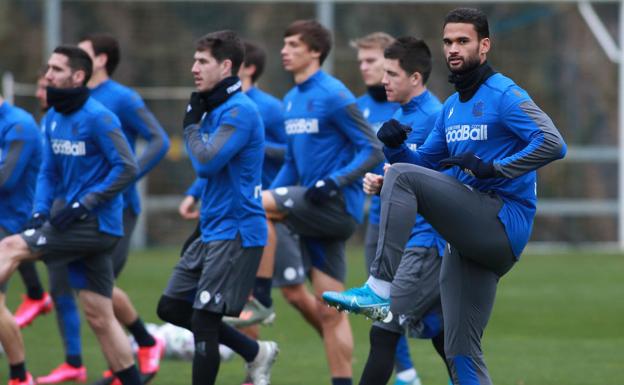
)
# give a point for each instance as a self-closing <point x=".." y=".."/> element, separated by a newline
<point x="460" y="214"/>
<point x="99" y="314"/>
<point x="36" y="301"/>
<point x="150" y="350"/>
<point x="290" y="275"/>
<point x="337" y="336"/>
<point x="68" y="320"/>
<point x="380" y="361"/>
<point x="468" y="290"/>
<point x="12" y="342"/>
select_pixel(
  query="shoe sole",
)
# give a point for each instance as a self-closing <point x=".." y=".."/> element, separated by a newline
<point x="376" y="313"/>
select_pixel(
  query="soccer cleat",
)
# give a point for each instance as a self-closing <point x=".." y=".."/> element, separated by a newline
<point x="28" y="381"/>
<point x="109" y="379"/>
<point x="30" y="308"/>
<point x="149" y="357"/>
<point x="360" y="300"/>
<point x="64" y="372"/>
<point x="253" y="313"/>
<point x="259" y="370"/>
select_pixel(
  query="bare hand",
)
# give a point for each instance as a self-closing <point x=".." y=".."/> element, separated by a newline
<point x="188" y="208"/>
<point x="372" y="183"/>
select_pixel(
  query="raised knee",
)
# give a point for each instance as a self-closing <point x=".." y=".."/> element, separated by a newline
<point x="174" y="311"/>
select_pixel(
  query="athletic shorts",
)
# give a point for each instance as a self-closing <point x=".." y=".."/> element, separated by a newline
<point x="217" y="276"/>
<point x="322" y="229"/>
<point x="290" y="267"/>
<point x="415" y="288"/>
<point x="120" y="254"/>
<point x="83" y="248"/>
<point x="370" y="244"/>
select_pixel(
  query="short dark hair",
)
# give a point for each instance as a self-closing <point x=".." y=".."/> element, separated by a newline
<point x="104" y="43"/>
<point x="254" y="55"/>
<point x="77" y="59"/>
<point x="472" y="16"/>
<point x="313" y="34"/>
<point x="223" y="45"/>
<point x="413" y="55"/>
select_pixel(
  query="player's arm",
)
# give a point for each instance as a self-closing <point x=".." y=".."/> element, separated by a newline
<point x="351" y="122"/>
<point x="195" y="190"/>
<point x="288" y="174"/>
<point x="140" y="119"/>
<point x="545" y="144"/>
<point x="209" y="157"/>
<point x="20" y="143"/>
<point x="114" y="146"/>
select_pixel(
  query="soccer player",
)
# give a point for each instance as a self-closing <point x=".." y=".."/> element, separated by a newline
<point x="136" y="122"/>
<point x="224" y="137"/>
<point x="377" y="110"/>
<point x="415" y="293"/>
<point x="36" y="301"/>
<point x="20" y="158"/>
<point x="317" y="191"/>
<point x="87" y="162"/>
<point x="494" y="138"/>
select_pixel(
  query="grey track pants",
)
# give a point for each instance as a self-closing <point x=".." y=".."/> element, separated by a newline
<point x="478" y="254"/>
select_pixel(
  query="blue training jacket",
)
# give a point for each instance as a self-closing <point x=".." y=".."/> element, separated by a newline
<point x="420" y="114"/>
<point x="500" y="124"/>
<point x="86" y="158"/>
<point x="275" y="139"/>
<point x="327" y="138"/>
<point x="376" y="113"/>
<point x="226" y="149"/>
<point x="20" y="158"/>
<point x="136" y="121"/>
<point x="272" y="115"/>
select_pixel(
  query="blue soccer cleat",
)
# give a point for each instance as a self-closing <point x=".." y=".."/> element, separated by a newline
<point x="360" y="300"/>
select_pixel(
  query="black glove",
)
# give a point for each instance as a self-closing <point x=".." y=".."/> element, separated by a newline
<point x="36" y="221"/>
<point x="471" y="165"/>
<point x="323" y="190"/>
<point x="68" y="215"/>
<point x="194" y="110"/>
<point x="392" y="133"/>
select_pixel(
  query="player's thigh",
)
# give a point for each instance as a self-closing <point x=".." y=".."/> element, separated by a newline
<point x="329" y="219"/>
<point x="289" y="266"/>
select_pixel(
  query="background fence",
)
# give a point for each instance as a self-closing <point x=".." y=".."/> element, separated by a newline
<point x="546" y="48"/>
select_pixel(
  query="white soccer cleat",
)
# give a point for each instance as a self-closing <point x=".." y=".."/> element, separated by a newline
<point x="259" y="370"/>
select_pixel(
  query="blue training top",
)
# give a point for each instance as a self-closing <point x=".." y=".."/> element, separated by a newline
<point x="136" y="121"/>
<point x="420" y="114"/>
<point x="226" y="149"/>
<point x="327" y="138"/>
<point x="500" y="124"/>
<point x="86" y="158"/>
<point x="376" y="113"/>
<point x="20" y="157"/>
<point x="275" y="139"/>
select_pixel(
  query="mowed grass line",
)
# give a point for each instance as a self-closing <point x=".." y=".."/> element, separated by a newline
<point x="558" y="320"/>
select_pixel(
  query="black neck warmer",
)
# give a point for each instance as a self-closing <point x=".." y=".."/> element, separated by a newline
<point x="220" y="93"/>
<point x="378" y="93"/>
<point x="467" y="83"/>
<point x="67" y="100"/>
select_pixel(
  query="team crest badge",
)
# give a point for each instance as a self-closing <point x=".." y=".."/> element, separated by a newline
<point x="477" y="109"/>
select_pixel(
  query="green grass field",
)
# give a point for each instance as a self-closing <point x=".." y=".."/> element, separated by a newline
<point x="558" y="320"/>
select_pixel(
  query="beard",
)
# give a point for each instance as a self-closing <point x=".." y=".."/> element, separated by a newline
<point x="469" y="63"/>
